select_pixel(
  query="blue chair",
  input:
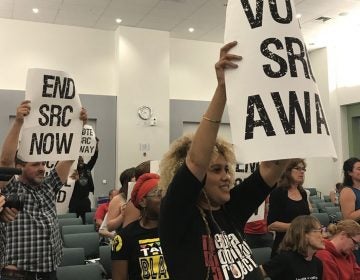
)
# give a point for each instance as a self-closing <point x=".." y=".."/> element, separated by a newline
<point x="322" y="205"/>
<point x="66" y="215"/>
<point x="88" y="240"/>
<point x="323" y="218"/>
<point x="105" y="259"/>
<point x="89" y="217"/>
<point x="73" y="256"/>
<point x="77" y="229"/>
<point x="69" y="221"/>
<point x="261" y="255"/>
<point x="72" y="272"/>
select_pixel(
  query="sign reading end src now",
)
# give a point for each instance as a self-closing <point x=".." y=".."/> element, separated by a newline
<point x="274" y="103"/>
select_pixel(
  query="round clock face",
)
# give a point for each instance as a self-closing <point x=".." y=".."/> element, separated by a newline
<point x="144" y="112"/>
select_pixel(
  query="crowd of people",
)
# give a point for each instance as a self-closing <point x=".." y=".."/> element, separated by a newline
<point x="187" y="222"/>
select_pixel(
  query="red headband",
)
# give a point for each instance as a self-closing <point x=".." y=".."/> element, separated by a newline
<point x="144" y="184"/>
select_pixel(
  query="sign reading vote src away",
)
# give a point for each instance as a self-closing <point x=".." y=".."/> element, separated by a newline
<point x="273" y="100"/>
<point x="52" y="131"/>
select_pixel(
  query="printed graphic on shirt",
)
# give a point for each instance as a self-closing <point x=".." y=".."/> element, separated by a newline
<point x="227" y="257"/>
<point x="117" y="243"/>
<point x="151" y="260"/>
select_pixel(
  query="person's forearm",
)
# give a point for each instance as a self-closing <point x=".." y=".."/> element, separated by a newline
<point x="115" y="223"/>
<point x="205" y="136"/>
<point x="278" y="227"/>
<point x="9" y="147"/>
<point x="271" y="171"/>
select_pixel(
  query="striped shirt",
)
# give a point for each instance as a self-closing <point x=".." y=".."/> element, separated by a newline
<point x="33" y="242"/>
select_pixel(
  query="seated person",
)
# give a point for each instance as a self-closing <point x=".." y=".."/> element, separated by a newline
<point x="296" y="258"/>
<point x="338" y="258"/>
<point x="103" y="208"/>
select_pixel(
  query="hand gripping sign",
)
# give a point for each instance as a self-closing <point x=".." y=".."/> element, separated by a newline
<point x="274" y="104"/>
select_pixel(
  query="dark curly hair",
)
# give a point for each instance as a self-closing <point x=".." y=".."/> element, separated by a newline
<point x="348" y="167"/>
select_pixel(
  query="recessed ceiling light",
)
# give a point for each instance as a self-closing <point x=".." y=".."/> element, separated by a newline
<point x="118" y="20"/>
<point x="311" y="44"/>
<point x="191" y="29"/>
<point x="343" y="14"/>
<point x="35" y="10"/>
<point x="298" y="15"/>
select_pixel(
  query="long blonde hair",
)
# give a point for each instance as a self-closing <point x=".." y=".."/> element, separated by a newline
<point x="176" y="155"/>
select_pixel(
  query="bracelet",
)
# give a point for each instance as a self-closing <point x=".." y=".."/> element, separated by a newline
<point x="210" y="120"/>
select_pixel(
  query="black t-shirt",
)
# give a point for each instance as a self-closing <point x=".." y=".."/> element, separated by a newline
<point x="190" y="253"/>
<point x="283" y="209"/>
<point x="290" y="265"/>
<point x="141" y="248"/>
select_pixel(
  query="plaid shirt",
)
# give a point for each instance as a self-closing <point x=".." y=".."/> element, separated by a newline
<point x="32" y="242"/>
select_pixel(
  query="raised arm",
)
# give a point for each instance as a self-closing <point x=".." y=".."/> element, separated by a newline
<point x="198" y="158"/>
<point x="8" y="152"/>
<point x="271" y="171"/>
<point x="63" y="167"/>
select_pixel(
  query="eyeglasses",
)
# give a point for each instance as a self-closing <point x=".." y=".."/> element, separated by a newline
<point x="356" y="243"/>
<point x="155" y="193"/>
<point x="298" y="168"/>
<point x="321" y="230"/>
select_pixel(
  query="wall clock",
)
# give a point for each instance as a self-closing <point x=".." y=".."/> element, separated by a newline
<point x="144" y="112"/>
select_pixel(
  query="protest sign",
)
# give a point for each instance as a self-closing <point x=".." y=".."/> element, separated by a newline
<point x="88" y="142"/>
<point x="52" y="131"/>
<point x="274" y="104"/>
<point x="64" y="195"/>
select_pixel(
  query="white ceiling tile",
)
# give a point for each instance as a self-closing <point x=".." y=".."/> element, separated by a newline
<point x="175" y="16"/>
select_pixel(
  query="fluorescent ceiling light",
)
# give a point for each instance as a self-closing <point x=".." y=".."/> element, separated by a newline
<point x="191" y="29"/>
<point x="35" y="10"/>
<point x="118" y="20"/>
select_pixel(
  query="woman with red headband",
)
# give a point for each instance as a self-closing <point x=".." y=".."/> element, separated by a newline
<point x="136" y="252"/>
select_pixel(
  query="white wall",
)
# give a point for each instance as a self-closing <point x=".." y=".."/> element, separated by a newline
<point x="147" y="67"/>
<point x="192" y="74"/>
<point x="143" y="79"/>
<point x="88" y="55"/>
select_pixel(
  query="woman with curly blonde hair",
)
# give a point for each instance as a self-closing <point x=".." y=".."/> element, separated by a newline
<point x="202" y="215"/>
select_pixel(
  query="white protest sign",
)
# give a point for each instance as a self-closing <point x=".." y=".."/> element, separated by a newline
<point x="273" y="100"/>
<point x="130" y="189"/>
<point x="52" y="131"/>
<point x="88" y="142"/>
<point x="64" y="195"/>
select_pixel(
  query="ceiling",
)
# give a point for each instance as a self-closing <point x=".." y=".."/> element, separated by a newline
<point x="207" y="17"/>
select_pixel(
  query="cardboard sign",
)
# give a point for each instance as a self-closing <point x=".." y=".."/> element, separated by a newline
<point x="274" y="104"/>
<point x="88" y="142"/>
<point x="52" y="131"/>
<point x="65" y="193"/>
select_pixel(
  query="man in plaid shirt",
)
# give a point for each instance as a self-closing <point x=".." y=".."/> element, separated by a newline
<point x="32" y="242"/>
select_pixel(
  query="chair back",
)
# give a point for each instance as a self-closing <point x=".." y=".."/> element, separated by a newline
<point x="69" y="221"/>
<point x="77" y="229"/>
<point x="261" y="255"/>
<point x="105" y="259"/>
<point x="322" y="205"/>
<point x="88" y="272"/>
<point x="89" y="217"/>
<point x="73" y="256"/>
<point x="323" y="218"/>
<point x="66" y="215"/>
<point x="87" y="240"/>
